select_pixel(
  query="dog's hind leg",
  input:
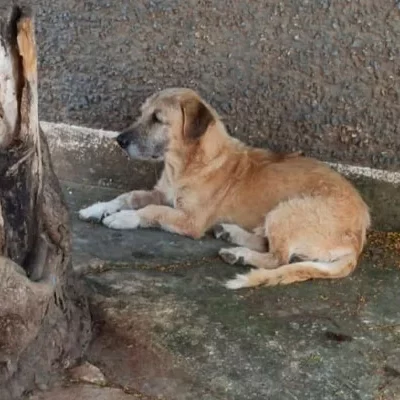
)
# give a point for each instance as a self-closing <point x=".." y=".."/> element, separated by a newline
<point x="297" y="272"/>
<point x="236" y="235"/>
<point x="245" y="256"/>
<point x="316" y="231"/>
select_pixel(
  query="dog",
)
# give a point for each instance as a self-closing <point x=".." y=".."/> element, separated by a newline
<point x="293" y="217"/>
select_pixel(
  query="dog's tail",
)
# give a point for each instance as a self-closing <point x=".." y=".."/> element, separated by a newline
<point x="296" y="272"/>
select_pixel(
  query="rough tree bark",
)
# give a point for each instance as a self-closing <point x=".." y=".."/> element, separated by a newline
<point x="44" y="319"/>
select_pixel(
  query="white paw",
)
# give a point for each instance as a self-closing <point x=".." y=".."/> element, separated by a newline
<point x="234" y="255"/>
<point x="239" y="282"/>
<point x="226" y="232"/>
<point x="96" y="212"/>
<point x="125" y="219"/>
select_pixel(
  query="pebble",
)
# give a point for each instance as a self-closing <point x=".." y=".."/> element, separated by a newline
<point x="89" y="373"/>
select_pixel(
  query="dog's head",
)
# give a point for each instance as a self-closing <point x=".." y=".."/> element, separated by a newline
<point x="172" y="118"/>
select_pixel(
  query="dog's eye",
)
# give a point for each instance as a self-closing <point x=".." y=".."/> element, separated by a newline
<point x="155" y="119"/>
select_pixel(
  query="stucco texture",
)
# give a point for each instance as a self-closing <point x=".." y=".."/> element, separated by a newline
<point x="318" y="75"/>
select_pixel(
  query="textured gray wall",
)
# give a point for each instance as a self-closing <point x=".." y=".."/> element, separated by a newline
<point x="320" y="75"/>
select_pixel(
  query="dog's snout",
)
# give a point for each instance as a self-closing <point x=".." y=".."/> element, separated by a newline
<point x="123" y="139"/>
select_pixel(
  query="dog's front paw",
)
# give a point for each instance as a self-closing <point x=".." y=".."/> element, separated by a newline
<point x="220" y="232"/>
<point x="96" y="212"/>
<point x="231" y="233"/>
<point x="125" y="219"/>
<point x="236" y="255"/>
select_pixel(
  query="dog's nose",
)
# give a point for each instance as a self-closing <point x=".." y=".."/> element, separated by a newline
<point x="123" y="140"/>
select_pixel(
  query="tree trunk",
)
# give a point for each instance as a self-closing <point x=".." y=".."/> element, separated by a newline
<point x="44" y="319"/>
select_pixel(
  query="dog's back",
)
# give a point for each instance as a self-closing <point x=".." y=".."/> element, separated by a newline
<point x="259" y="180"/>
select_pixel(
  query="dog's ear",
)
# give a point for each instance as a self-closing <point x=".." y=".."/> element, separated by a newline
<point x="196" y="118"/>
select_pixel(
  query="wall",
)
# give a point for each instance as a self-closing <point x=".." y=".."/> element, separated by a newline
<point x="319" y="75"/>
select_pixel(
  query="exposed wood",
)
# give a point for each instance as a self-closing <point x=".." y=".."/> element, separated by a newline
<point x="8" y="88"/>
<point x="43" y="317"/>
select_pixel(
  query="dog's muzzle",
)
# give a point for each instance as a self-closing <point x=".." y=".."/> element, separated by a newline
<point x="124" y="139"/>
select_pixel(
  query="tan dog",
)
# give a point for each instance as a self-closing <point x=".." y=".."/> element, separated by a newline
<point x="313" y="218"/>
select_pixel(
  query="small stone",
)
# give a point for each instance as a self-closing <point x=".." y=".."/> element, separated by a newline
<point x="42" y="387"/>
<point x="89" y="373"/>
<point x="393" y="363"/>
<point x="295" y="325"/>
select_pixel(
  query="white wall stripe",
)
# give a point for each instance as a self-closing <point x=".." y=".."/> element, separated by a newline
<point x="346" y="169"/>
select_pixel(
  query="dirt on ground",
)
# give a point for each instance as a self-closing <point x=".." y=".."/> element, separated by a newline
<point x="318" y="75"/>
<point x="167" y="329"/>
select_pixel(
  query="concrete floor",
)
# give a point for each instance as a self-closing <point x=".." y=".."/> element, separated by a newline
<point x="166" y="327"/>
